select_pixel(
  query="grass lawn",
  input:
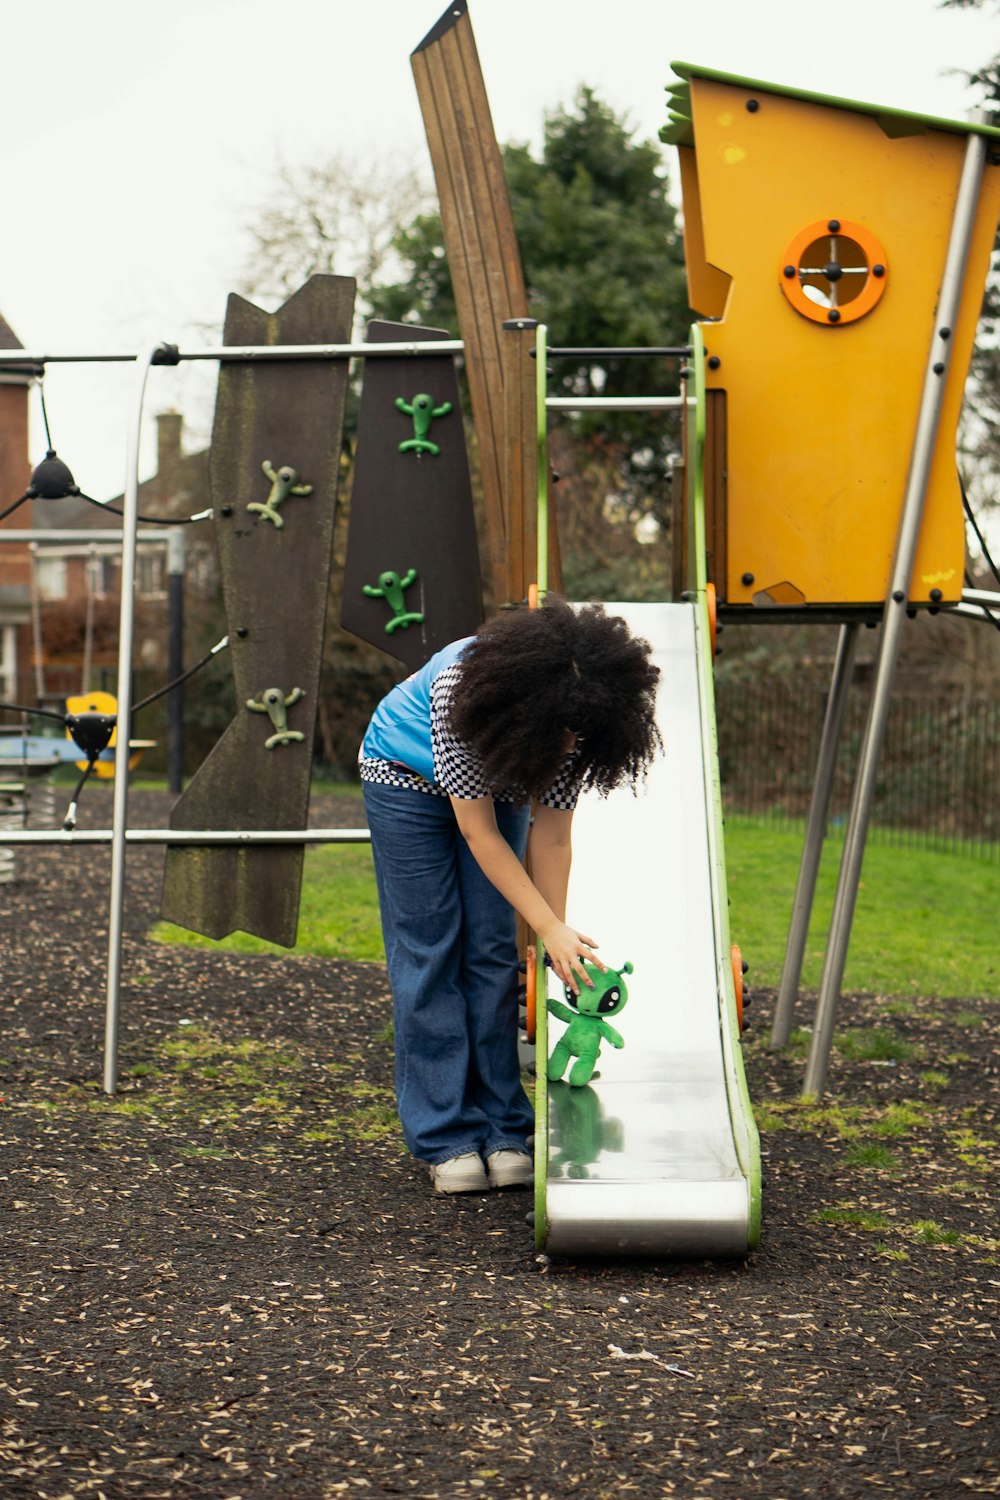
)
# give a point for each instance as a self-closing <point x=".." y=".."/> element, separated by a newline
<point x="923" y="923"/>
<point x="338" y="917"/>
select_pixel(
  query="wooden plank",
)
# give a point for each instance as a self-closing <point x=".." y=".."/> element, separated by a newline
<point x="480" y="242"/>
<point x="411" y="507"/>
<point x="460" y="217"/>
<point x="275" y="563"/>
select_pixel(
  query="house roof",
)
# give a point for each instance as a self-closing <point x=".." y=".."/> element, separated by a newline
<point x="8" y="338"/>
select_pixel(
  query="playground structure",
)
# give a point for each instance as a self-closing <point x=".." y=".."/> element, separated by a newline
<point x="658" y="1154"/>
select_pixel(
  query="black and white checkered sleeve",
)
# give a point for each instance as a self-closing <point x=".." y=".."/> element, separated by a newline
<point x="457" y="768"/>
<point x="564" y="792"/>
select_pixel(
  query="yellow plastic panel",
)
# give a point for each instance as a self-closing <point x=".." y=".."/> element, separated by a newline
<point x="821" y="417"/>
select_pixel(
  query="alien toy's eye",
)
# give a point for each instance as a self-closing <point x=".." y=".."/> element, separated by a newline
<point x="610" y="998"/>
<point x="568" y="992"/>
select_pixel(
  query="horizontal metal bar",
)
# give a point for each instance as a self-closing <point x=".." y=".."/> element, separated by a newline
<point x="11" y="361"/>
<point x="680" y="351"/>
<point x="981" y="596"/>
<point x="100" y="534"/>
<point x="972" y="612"/>
<point x="186" y="836"/>
<point x="617" y="403"/>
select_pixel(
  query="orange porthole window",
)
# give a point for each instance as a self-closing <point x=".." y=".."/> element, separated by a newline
<point x="834" y="272"/>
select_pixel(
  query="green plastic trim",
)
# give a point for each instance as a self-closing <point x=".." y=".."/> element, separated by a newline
<point x="542" y="429"/>
<point x="541" y="1096"/>
<point x="894" y="122"/>
<point x="744" y="1128"/>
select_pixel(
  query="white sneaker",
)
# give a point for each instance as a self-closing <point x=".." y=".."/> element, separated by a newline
<point x="460" y="1174"/>
<point x="510" y="1169"/>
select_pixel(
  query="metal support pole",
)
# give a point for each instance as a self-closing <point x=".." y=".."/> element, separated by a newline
<point x="175" y="658"/>
<point x="819" y="808"/>
<point x="130" y="509"/>
<point x="924" y="440"/>
<point x="37" y="651"/>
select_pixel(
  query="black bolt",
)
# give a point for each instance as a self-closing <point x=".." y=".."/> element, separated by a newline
<point x="714" y="362"/>
<point x="944" y="333"/>
<point x="226" y="510"/>
<point x="933" y="610"/>
<point x="878" y="270"/>
<point x="555" y="477"/>
<point x="833" y="316"/>
<point x="936" y="595"/>
<point x="834" y="226"/>
<point x="747" y="580"/>
<point x="911" y="613"/>
<point x="789" y="271"/>
<point x="899" y="596"/>
<point x="242" y="632"/>
<point x="753" y="105"/>
<point x="833" y="270"/>
<point x="939" y="368"/>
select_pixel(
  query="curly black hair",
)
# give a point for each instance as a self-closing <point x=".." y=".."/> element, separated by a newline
<point x="529" y="675"/>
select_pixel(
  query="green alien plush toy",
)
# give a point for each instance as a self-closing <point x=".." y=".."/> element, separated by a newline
<point x="587" y="1023"/>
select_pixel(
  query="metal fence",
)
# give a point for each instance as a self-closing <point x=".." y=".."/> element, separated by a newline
<point x="939" y="777"/>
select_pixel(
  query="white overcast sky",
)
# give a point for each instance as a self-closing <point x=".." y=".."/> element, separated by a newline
<point x="139" y="138"/>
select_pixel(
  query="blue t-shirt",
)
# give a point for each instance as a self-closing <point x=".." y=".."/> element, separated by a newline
<point x="409" y="742"/>
<point x="400" y="729"/>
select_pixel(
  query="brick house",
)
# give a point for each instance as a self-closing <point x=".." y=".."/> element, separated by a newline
<point x="60" y="602"/>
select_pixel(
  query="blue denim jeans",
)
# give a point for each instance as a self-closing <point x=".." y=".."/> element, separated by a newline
<point x="451" y="946"/>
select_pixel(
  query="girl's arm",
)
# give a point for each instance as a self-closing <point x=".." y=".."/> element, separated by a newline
<point x="551" y="848"/>
<point x="491" y="851"/>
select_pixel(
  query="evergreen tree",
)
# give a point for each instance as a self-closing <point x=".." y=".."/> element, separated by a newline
<point x="604" y="266"/>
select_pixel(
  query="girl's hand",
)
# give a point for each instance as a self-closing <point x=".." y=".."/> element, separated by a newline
<point x="567" y="949"/>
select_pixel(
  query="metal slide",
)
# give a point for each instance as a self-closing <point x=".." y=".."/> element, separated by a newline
<point x="659" y="1153"/>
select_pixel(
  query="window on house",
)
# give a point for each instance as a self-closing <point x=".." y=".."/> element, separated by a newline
<point x="51" y="576"/>
<point x="102" y="576"/>
<point x="149" y="574"/>
<point x="8" y="662"/>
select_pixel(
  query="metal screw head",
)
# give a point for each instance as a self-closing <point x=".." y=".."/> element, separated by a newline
<point x="714" y="362"/>
<point x="746" y="580"/>
<point x="226" y="510"/>
<point x="833" y="316"/>
<point x="878" y="270"/>
<point x="789" y="272"/>
<point x="898" y="596"/>
<point x="939" y="368"/>
<point x="936" y="595"/>
<point x="753" y="105"/>
<point x="834" y="226"/>
<point x="242" y="632"/>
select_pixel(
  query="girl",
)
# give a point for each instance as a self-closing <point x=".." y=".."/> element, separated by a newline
<point x="495" y="730"/>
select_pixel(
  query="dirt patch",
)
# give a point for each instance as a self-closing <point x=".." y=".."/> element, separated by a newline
<point x="231" y="1281"/>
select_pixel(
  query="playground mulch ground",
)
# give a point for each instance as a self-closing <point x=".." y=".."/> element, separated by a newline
<point x="230" y="1281"/>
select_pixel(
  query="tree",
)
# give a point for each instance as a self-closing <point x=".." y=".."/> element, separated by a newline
<point x="339" y="217"/>
<point x="981" y="428"/>
<point x="604" y="266"/>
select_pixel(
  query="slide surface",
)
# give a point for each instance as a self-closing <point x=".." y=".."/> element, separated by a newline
<point x="659" y="1154"/>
